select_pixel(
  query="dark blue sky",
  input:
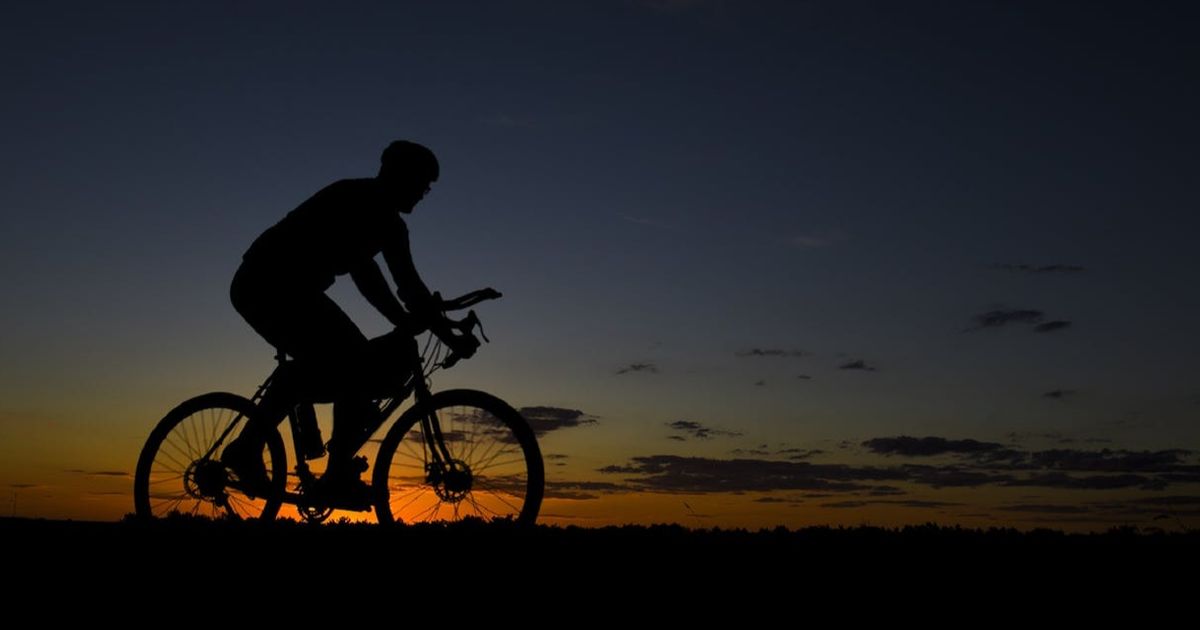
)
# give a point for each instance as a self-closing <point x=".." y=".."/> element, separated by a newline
<point x="670" y="183"/>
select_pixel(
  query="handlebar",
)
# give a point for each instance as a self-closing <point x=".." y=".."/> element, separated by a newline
<point x="467" y="325"/>
<point x="469" y="299"/>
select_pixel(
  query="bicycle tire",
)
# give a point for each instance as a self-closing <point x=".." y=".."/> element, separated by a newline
<point x="481" y="432"/>
<point x="174" y="477"/>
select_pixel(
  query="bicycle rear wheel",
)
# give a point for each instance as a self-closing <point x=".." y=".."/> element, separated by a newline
<point x="180" y="472"/>
<point x="495" y="472"/>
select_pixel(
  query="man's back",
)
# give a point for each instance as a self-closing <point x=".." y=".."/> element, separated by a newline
<point x="334" y="231"/>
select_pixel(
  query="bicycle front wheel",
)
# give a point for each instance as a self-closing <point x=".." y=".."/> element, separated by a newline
<point x="495" y="469"/>
<point x="180" y="472"/>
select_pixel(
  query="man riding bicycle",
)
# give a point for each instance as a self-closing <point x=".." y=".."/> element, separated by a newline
<point x="280" y="291"/>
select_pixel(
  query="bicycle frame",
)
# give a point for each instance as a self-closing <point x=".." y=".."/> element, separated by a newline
<point x="449" y="473"/>
<point x="421" y="365"/>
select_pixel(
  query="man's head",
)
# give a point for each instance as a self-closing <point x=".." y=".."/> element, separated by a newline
<point x="407" y="169"/>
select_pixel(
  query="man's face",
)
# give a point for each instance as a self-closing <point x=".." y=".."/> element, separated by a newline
<point x="406" y="192"/>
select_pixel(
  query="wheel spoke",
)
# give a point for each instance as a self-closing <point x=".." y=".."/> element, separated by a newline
<point x="494" y="492"/>
<point x="173" y="460"/>
<point x="487" y="476"/>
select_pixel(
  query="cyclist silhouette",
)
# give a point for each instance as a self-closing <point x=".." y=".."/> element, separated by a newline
<point x="280" y="291"/>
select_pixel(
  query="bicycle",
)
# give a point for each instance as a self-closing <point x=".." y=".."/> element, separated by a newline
<point x="451" y="455"/>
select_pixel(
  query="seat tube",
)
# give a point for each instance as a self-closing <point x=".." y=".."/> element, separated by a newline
<point x="306" y="433"/>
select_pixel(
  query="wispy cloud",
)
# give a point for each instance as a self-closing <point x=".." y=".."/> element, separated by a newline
<point x="99" y="473"/>
<point x="1040" y="508"/>
<point x="699" y="431"/>
<point x="912" y="503"/>
<point x="581" y="490"/>
<point x="858" y="364"/>
<point x="800" y="453"/>
<point x="1000" y="318"/>
<point x="1004" y="317"/>
<point x="770" y="352"/>
<point x="649" y="368"/>
<point x="673" y="473"/>
<point x="927" y="446"/>
<point x="1057" y="324"/>
<point x="545" y="419"/>
<point x="1059" y="394"/>
<point x="979" y="464"/>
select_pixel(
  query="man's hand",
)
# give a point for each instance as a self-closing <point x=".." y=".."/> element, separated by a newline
<point x="463" y="346"/>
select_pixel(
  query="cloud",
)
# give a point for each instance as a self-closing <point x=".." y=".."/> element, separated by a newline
<point x="804" y="377"/>
<point x="919" y="503"/>
<point x="700" y="431"/>
<point x="771" y="500"/>
<point x="1169" y="500"/>
<point x="24" y="486"/>
<point x="1024" y="268"/>
<point x="999" y="318"/>
<point x="770" y="352"/>
<point x="1046" y="509"/>
<point x="580" y="490"/>
<point x="1059" y="394"/>
<point x="1057" y="324"/>
<point x="545" y="419"/>
<point x="845" y="504"/>
<point x="952" y="476"/>
<point x="1003" y="317"/>
<point x="980" y="464"/>
<point x="927" y="446"/>
<point x="858" y="364"/>
<point x="1093" y="482"/>
<point x="913" y="503"/>
<point x="800" y="453"/>
<point x="100" y="473"/>
<point x="676" y="474"/>
<point x="1107" y="460"/>
<point x="649" y="368"/>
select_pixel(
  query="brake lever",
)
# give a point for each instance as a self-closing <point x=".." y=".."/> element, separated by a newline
<point x="475" y="323"/>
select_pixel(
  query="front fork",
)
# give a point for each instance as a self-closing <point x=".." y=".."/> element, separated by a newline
<point x="440" y="461"/>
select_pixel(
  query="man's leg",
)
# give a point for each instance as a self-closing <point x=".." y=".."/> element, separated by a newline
<point x="334" y="353"/>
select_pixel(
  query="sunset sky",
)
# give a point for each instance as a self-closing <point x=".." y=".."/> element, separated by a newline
<point x="764" y="262"/>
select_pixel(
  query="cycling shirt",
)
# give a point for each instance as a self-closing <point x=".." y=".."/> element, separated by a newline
<point x="341" y="227"/>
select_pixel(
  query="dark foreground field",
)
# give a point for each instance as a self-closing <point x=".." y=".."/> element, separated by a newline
<point x="653" y="565"/>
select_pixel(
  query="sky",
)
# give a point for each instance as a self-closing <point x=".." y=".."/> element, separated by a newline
<point x="764" y="263"/>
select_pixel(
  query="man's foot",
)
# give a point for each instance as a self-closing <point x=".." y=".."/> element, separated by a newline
<point x="244" y="458"/>
<point x="341" y="486"/>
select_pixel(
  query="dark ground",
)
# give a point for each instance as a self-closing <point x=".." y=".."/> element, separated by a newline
<point x="660" y="567"/>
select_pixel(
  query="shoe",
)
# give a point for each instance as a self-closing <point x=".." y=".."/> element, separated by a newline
<point x="243" y="458"/>
<point x="341" y="487"/>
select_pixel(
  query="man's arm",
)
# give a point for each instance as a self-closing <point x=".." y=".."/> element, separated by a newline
<point x="371" y="283"/>
<point x="416" y="295"/>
